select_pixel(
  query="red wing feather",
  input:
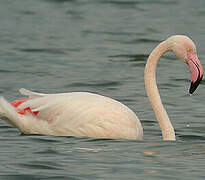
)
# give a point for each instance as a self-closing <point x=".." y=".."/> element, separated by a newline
<point x="26" y="110"/>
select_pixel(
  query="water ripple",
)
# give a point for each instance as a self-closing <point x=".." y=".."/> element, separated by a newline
<point x="191" y="137"/>
<point x="113" y="33"/>
<point x="47" y="50"/>
<point x="130" y="57"/>
<point x="40" y="165"/>
<point x="61" y="1"/>
<point x="134" y="3"/>
<point x="97" y="84"/>
<point x="7" y="71"/>
<point x="143" y="40"/>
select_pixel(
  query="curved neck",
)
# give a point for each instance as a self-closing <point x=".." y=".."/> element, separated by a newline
<point x="153" y="93"/>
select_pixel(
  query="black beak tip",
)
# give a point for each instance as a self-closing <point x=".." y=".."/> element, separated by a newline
<point x="194" y="85"/>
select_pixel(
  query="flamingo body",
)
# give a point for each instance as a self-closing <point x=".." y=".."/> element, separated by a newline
<point x="80" y="114"/>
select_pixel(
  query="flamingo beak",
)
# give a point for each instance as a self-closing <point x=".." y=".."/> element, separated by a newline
<point x="196" y="70"/>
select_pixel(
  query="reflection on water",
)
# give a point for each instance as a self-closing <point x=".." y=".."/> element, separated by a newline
<point x="102" y="46"/>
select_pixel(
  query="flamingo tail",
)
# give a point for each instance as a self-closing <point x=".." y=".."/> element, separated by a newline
<point x="8" y="113"/>
<point x="25" y="122"/>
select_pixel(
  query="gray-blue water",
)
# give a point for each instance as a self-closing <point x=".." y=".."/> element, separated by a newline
<point x="101" y="46"/>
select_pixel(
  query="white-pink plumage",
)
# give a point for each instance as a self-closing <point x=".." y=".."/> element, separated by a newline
<point x="78" y="114"/>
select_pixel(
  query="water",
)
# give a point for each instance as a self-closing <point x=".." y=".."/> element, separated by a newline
<point x="102" y="46"/>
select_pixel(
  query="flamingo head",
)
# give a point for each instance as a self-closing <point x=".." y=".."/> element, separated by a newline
<point x="185" y="50"/>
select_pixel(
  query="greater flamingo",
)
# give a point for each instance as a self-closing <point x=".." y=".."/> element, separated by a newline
<point x="84" y="114"/>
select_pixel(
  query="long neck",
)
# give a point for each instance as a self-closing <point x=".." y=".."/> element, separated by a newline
<point x="153" y="93"/>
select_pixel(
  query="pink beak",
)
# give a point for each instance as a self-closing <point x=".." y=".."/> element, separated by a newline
<point x="196" y="70"/>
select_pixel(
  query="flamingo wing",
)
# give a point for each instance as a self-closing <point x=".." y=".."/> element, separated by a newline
<point x="29" y="93"/>
<point x="44" y="106"/>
